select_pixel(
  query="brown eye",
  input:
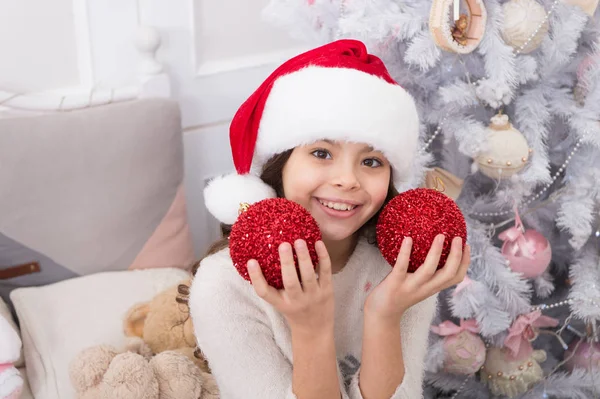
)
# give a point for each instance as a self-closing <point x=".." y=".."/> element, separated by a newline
<point x="372" y="162"/>
<point x="321" y="154"/>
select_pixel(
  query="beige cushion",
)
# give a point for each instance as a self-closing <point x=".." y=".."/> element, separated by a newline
<point x="98" y="190"/>
<point x="59" y="320"/>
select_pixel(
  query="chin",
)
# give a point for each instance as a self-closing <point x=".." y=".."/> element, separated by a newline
<point x="337" y="234"/>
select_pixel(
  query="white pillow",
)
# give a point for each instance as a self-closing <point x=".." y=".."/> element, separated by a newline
<point x="5" y="313"/>
<point x="59" y="320"/>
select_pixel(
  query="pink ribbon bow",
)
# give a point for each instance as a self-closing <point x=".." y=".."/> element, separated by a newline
<point x="516" y="233"/>
<point x="448" y="328"/>
<point x="522" y="332"/>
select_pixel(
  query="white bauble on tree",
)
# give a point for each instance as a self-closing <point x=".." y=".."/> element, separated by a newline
<point x="524" y="19"/>
<point x="507" y="150"/>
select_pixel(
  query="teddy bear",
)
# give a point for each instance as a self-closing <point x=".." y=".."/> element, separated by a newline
<point x="160" y="360"/>
<point x="102" y="372"/>
<point x="164" y="324"/>
<point x="11" y="383"/>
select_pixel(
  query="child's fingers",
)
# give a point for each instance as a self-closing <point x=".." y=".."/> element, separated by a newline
<point x="289" y="274"/>
<point x="401" y="265"/>
<point x="464" y="265"/>
<point x="428" y="268"/>
<point x="444" y="277"/>
<point x="307" y="270"/>
<point x="324" y="267"/>
<point x="261" y="287"/>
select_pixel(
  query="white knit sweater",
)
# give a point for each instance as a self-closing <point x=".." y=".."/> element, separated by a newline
<point x="248" y="344"/>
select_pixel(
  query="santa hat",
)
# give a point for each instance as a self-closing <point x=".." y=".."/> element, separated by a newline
<point x="338" y="92"/>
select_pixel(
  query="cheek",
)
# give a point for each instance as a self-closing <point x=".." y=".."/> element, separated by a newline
<point x="298" y="186"/>
<point x="378" y="188"/>
<point x="381" y="194"/>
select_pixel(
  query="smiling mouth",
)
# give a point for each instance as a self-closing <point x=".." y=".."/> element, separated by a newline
<point x="338" y="206"/>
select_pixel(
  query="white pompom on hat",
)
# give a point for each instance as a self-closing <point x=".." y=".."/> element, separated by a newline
<point x="338" y="92"/>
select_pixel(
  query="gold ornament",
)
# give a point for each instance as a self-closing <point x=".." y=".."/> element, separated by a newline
<point x="507" y="151"/>
<point x="444" y="182"/>
<point x="466" y="31"/>
<point x="508" y="376"/>
<point x="521" y="20"/>
<point x="459" y="31"/>
<point x="243" y="207"/>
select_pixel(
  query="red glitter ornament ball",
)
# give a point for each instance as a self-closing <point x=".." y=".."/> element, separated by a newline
<point x="421" y="214"/>
<point x="258" y="232"/>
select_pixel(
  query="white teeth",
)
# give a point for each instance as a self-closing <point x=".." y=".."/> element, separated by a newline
<point x="338" y="206"/>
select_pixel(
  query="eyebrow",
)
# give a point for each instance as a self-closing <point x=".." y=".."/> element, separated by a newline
<point x="366" y="149"/>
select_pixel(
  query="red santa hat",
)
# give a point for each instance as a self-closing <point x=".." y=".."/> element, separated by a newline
<point x="338" y="92"/>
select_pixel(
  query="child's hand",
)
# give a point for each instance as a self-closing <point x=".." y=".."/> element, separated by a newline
<point x="307" y="307"/>
<point x="401" y="290"/>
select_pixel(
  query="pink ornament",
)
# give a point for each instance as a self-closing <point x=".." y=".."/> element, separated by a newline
<point x="524" y="330"/>
<point x="586" y="356"/>
<point x="527" y="251"/>
<point x="464" y="349"/>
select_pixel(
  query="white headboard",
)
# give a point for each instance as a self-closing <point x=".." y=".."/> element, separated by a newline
<point x="150" y="81"/>
<point x="208" y="55"/>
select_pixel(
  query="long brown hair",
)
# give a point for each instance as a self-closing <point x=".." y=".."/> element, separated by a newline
<point x="272" y="174"/>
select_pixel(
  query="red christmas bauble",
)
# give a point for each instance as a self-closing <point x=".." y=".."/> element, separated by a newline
<point x="258" y="232"/>
<point x="421" y="214"/>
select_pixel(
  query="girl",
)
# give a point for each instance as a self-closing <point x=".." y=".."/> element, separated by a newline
<point x="332" y="131"/>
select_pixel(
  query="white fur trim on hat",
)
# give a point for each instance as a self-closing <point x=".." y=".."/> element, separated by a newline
<point x="223" y="194"/>
<point x="317" y="103"/>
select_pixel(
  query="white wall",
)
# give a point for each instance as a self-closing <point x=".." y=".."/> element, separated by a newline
<point x="37" y="43"/>
<point x="216" y="53"/>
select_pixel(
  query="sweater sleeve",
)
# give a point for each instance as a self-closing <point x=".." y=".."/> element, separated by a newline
<point x="234" y="336"/>
<point x="415" y="325"/>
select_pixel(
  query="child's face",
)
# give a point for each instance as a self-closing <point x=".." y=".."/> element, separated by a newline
<point x="326" y="175"/>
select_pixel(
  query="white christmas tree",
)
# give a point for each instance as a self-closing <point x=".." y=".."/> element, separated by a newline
<point x="509" y="98"/>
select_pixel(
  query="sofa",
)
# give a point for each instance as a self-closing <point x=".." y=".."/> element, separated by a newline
<point x="93" y="219"/>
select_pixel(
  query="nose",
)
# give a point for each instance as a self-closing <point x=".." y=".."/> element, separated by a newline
<point x="345" y="178"/>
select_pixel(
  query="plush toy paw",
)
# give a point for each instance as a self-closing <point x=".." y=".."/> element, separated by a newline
<point x="210" y="389"/>
<point x="100" y="372"/>
<point x="198" y="361"/>
<point x="178" y="377"/>
<point x="130" y="377"/>
<point x="87" y="369"/>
